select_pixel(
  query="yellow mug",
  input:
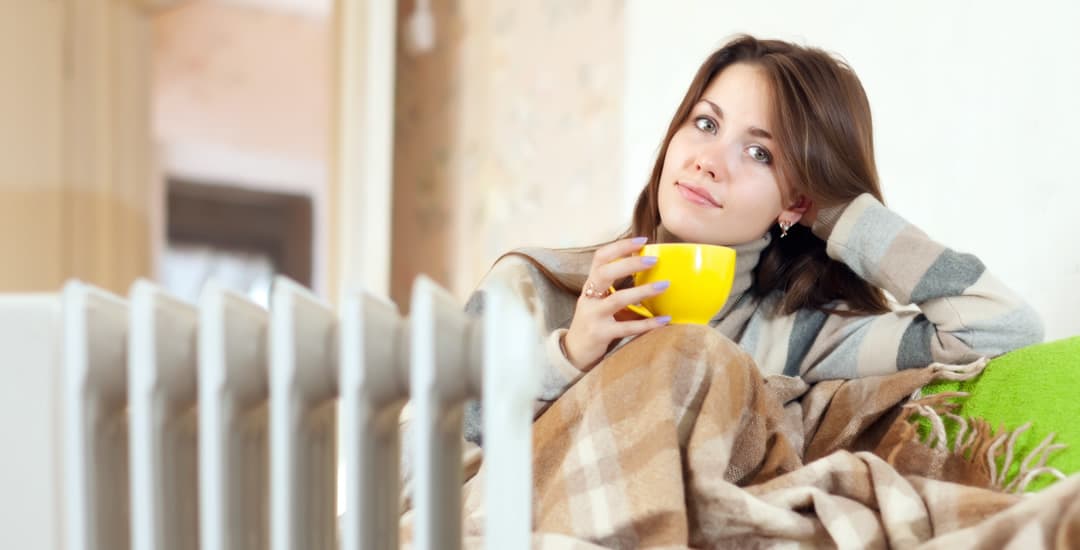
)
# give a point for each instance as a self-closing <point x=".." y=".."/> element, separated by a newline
<point x="700" y="275"/>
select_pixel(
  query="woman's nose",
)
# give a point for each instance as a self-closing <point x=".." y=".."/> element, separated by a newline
<point x="710" y="166"/>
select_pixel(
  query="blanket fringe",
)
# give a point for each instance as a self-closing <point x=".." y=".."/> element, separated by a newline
<point x="954" y="373"/>
<point x="976" y="439"/>
<point x="944" y="371"/>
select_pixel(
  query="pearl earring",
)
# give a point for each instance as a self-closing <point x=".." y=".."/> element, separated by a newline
<point x="784" y="226"/>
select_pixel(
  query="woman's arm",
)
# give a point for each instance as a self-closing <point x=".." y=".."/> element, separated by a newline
<point x="964" y="312"/>
<point x="551" y="311"/>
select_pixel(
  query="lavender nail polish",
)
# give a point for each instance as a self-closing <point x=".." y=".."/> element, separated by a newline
<point x="649" y="260"/>
<point x="661" y="285"/>
<point x="664" y="320"/>
<point x="639" y="240"/>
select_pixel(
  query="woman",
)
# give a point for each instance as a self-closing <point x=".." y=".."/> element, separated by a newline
<point x="771" y="153"/>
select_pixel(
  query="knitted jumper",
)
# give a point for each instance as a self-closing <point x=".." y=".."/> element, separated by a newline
<point x="956" y="310"/>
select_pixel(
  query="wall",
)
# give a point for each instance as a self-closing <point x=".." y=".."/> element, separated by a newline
<point x="506" y="135"/>
<point x="974" y="112"/>
<point x="241" y="97"/>
<point x="74" y="157"/>
<point x="505" y="131"/>
<point x="31" y="156"/>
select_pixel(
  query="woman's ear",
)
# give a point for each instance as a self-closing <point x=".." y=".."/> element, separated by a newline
<point x="799" y="212"/>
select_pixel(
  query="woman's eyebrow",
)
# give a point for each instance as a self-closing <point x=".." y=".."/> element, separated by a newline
<point x="753" y="130"/>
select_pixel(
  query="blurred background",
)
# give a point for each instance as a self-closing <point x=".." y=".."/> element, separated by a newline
<point x="357" y="143"/>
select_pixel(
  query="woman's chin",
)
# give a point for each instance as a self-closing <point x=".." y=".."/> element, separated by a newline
<point x="689" y="235"/>
<point x="681" y="233"/>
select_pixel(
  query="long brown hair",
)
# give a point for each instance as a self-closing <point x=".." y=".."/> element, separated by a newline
<point x="826" y="152"/>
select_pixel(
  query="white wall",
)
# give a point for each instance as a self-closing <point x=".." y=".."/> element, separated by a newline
<point x="975" y="111"/>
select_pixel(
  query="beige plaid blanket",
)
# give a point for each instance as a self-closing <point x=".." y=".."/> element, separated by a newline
<point x="676" y="441"/>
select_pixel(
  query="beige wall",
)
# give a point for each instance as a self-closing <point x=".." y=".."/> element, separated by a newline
<point x="242" y="77"/>
<point x="508" y="134"/>
<point x="241" y="97"/>
<point x="505" y="135"/>
<point x="75" y="167"/>
<point x="31" y="167"/>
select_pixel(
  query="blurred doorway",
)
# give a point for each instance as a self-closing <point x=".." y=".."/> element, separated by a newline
<point x="239" y="237"/>
<point x="241" y="101"/>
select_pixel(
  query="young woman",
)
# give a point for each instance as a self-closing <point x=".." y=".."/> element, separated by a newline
<point x="771" y="153"/>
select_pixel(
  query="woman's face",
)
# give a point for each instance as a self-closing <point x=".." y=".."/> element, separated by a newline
<point x="719" y="183"/>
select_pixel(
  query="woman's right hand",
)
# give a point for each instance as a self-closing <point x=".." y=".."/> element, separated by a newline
<point x="594" y="326"/>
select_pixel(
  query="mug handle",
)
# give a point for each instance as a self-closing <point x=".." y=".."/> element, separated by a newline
<point x="636" y="308"/>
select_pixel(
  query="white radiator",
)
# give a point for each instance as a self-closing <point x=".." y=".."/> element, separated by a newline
<point x="151" y="423"/>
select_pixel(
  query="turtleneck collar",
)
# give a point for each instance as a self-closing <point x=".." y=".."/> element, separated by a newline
<point x="746" y="259"/>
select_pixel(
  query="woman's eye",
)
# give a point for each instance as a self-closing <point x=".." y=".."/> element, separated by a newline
<point x="759" y="154"/>
<point x="705" y="124"/>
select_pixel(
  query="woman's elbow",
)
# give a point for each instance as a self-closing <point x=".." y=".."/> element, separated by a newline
<point x="1020" y="328"/>
<point x="1030" y="330"/>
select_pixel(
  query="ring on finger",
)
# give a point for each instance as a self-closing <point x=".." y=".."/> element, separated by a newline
<point x="591" y="291"/>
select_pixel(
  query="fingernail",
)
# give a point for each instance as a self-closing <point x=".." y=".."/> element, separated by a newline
<point x="639" y="240"/>
<point x="663" y="320"/>
<point x="661" y="285"/>
<point x="649" y="260"/>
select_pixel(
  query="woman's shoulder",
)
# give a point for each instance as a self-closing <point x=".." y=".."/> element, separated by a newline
<point x="539" y="273"/>
<point x="553" y="259"/>
<point x="565" y="267"/>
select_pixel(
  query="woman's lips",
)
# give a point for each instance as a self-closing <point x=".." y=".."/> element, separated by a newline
<point x="695" y="195"/>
